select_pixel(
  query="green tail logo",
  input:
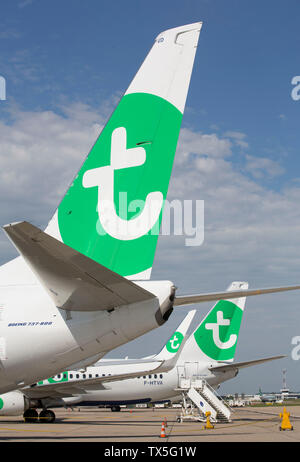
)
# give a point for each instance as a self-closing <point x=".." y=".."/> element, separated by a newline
<point x="133" y="156"/>
<point x="174" y="342"/>
<point x="217" y="335"/>
<point x="103" y="179"/>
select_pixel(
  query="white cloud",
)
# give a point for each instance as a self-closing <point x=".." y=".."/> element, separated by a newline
<point x="10" y="33"/>
<point x="25" y="3"/>
<point x="40" y="154"/>
<point x="42" y="151"/>
<point x="202" y="144"/>
<point x="238" y="138"/>
<point x="261" y="167"/>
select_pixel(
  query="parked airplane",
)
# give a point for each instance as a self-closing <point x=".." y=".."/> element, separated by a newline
<point x="83" y="287"/>
<point x="207" y="355"/>
<point x="16" y="402"/>
<point x="270" y="397"/>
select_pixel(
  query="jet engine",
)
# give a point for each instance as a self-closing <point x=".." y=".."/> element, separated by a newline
<point x="13" y="403"/>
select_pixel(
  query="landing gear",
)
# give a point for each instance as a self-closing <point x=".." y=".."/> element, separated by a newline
<point x="46" y="416"/>
<point x="31" y="416"/>
<point x="115" y="408"/>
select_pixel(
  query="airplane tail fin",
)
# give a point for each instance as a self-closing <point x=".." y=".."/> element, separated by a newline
<point x="216" y="336"/>
<point x="113" y="209"/>
<point x="172" y="345"/>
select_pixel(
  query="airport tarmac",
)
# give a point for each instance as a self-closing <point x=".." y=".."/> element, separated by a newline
<point x="144" y="425"/>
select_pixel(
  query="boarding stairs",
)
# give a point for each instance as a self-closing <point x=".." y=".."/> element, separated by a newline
<point x="198" y="395"/>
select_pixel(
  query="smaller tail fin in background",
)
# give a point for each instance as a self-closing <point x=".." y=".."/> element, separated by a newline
<point x="172" y="345"/>
<point x="215" y="338"/>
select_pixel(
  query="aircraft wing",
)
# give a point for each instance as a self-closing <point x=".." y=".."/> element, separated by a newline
<point x="80" y="385"/>
<point x="74" y="281"/>
<point x="241" y="365"/>
<point x="181" y="300"/>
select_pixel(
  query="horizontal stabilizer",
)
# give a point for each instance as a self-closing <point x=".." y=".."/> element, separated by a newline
<point x="74" y="281"/>
<point x="241" y="365"/>
<point x="181" y="300"/>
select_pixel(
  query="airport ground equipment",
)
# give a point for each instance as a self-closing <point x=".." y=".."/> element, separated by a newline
<point x="163" y="432"/>
<point x="285" y="422"/>
<point x="208" y="425"/>
<point x="198" y="398"/>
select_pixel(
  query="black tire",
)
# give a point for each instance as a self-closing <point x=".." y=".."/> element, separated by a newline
<point x="47" y="416"/>
<point x="30" y="416"/>
<point x="115" y="408"/>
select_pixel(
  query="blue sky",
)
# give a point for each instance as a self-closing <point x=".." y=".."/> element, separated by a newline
<point x="70" y="51"/>
<point x="66" y="64"/>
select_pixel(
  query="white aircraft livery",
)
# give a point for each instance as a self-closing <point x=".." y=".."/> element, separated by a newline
<point x="207" y="355"/>
<point x="18" y="402"/>
<point x="82" y="287"/>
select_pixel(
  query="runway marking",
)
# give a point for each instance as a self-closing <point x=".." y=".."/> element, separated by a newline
<point x="24" y="430"/>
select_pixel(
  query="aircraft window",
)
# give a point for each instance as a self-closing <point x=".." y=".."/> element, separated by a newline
<point x="144" y="377"/>
<point x="83" y="376"/>
<point x="90" y="376"/>
<point x="58" y="376"/>
<point x="77" y="376"/>
<point x="97" y="375"/>
<point x="65" y="376"/>
<point x="155" y="376"/>
<point x="160" y="376"/>
<point x="149" y="376"/>
<point x="71" y="376"/>
<point x="103" y="375"/>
